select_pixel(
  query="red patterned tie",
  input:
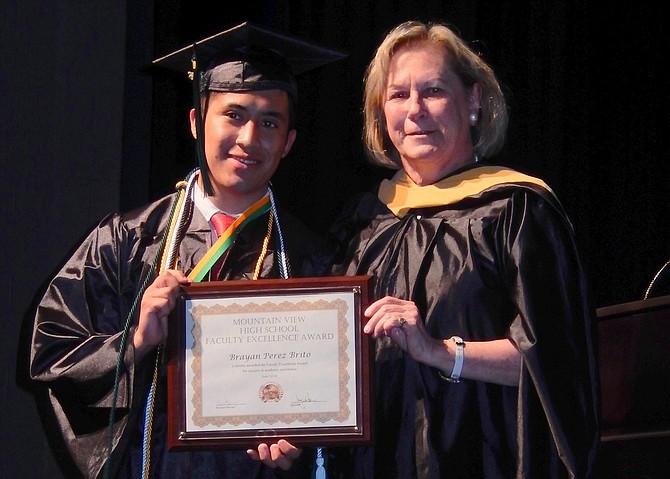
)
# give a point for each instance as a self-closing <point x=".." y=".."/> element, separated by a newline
<point x="221" y="222"/>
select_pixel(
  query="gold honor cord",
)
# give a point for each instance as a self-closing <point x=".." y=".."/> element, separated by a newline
<point x="227" y="238"/>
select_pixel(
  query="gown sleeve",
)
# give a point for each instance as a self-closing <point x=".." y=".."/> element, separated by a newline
<point x="555" y="331"/>
<point x="78" y="326"/>
<point x="77" y="335"/>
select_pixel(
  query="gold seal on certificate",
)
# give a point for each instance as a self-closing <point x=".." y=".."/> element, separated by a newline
<point x="271" y="392"/>
<point x="251" y="361"/>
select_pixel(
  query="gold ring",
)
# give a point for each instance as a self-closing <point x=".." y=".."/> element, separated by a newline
<point x="401" y="322"/>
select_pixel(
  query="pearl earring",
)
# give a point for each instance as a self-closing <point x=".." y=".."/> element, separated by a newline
<point x="473" y="118"/>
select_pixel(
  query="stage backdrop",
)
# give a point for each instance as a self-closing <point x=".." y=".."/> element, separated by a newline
<point x="86" y="131"/>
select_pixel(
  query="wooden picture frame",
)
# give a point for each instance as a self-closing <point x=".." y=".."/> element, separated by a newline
<point x="257" y="361"/>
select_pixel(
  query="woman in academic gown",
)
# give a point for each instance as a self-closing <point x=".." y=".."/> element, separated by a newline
<point x="485" y="339"/>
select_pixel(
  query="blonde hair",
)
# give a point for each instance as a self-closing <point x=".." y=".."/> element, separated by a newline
<point x="488" y="135"/>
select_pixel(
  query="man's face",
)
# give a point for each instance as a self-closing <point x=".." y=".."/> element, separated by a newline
<point x="246" y="136"/>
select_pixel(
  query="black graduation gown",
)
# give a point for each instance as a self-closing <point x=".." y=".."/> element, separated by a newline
<point x="499" y="264"/>
<point x="78" y="332"/>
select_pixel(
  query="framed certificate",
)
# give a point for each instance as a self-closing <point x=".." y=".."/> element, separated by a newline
<point x="257" y="361"/>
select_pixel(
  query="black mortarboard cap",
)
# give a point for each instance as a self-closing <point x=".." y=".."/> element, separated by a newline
<point x="249" y="57"/>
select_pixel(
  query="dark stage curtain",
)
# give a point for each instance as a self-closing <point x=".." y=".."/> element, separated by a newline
<point x="587" y="93"/>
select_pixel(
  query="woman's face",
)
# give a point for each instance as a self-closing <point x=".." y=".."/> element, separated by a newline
<point x="427" y="111"/>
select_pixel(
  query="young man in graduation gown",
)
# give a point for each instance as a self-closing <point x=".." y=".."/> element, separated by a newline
<point x="100" y="327"/>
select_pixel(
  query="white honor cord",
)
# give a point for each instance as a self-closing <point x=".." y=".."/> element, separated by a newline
<point x="285" y="271"/>
<point x="284" y="266"/>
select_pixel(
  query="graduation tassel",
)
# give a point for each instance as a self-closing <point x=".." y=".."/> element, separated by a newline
<point x="199" y="126"/>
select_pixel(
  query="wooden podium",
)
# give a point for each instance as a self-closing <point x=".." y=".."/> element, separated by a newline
<point x="634" y="354"/>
